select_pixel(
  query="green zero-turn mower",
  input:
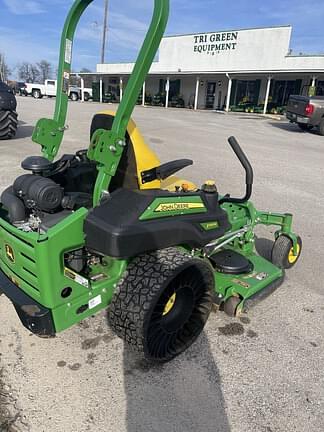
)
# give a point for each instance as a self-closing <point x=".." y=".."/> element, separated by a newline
<point x="110" y="227"/>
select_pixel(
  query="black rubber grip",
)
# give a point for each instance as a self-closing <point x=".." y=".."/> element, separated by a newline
<point x="243" y="159"/>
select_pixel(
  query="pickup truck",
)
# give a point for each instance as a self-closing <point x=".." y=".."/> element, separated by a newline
<point x="307" y="112"/>
<point x="49" y="89"/>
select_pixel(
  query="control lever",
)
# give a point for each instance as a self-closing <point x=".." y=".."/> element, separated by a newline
<point x="248" y="171"/>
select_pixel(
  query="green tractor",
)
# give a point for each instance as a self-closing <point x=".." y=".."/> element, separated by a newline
<point x="159" y="99"/>
<point x="110" y="227"/>
<point x="177" y="101"/>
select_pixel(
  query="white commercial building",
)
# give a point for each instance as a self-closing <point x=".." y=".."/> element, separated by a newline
<point x="223" y="70"/>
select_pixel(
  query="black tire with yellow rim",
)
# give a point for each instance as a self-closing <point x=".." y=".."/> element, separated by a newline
<point x="283" y="252"/>
<point x="162" y="303"/>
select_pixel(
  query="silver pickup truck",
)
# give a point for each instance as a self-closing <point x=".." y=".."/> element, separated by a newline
<point x="307" y="112"/>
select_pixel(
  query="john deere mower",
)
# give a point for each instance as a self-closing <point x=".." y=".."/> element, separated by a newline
<point x="111" y="228"/>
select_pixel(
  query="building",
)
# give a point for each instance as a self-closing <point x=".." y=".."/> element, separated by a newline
<point x="224" y="70"/>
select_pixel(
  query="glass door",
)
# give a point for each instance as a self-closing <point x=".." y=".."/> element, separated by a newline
<point x="210" y="95"/>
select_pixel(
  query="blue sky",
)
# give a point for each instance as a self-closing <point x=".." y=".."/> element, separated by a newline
<point x="30" y="29"/>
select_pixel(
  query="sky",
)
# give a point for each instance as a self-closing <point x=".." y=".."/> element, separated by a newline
<point x="30" y="29"/>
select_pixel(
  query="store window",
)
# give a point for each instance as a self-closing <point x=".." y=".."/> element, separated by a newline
<point x="320" y="88"/>
<point x="175" y="86"/>
<point x="281" y="90"/>
<point x="245" y="92"/>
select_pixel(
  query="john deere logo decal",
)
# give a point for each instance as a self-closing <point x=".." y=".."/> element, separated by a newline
<point x="170" y="207"/>
<point x="10" y="253"/>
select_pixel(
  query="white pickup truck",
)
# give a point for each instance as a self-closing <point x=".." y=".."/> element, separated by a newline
<point x="49" y="89"/>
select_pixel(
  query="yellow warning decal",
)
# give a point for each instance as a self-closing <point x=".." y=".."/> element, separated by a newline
<point x="76" y="277"/>
<point x="171" y="207"/>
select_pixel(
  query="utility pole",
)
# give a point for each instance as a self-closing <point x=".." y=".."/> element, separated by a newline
<point x="104" y="33"/>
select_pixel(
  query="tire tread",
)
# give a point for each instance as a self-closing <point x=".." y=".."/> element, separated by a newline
<point x="136" y="291"/>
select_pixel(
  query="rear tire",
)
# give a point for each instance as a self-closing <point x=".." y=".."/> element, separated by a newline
<point x="321" y="127"/>
<point x="37" y="94"/>
<point x="303" y="126"/>
<point x="162" y="303"/>
<point x="74" y="97"/>
<point x="8" y="124"/>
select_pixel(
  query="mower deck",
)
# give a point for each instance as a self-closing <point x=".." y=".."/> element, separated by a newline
<point x="247" y="285"/>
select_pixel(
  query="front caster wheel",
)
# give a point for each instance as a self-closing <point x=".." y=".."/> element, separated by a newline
<point x="230" y="306"/>
<point x="162" y="303"/>
<point x="283" y="252"/>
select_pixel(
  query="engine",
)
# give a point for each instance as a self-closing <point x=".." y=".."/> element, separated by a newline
<point x="38" y="193"/>
<point x="51" y="192"/>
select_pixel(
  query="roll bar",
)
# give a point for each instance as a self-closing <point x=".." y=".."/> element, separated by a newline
<point x="106" y="146"/>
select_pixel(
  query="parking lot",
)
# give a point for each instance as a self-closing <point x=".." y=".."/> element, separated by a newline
<point x="259" y="373"/>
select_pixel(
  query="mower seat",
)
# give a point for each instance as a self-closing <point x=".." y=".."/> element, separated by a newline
<point x="136" y="159"/>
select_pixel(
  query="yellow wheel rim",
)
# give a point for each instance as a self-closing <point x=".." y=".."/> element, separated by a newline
<point x="169" y="306"/>
<point x="293" y="258"/>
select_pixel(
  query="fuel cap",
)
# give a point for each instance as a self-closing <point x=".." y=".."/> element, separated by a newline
<point x="209" y="186"/>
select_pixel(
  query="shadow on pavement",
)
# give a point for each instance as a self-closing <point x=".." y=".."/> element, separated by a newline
<point x="184" y="395"/>
<point x="291" y="127"/>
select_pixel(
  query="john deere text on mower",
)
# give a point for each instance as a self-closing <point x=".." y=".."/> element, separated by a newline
<point x="109" y="227"/>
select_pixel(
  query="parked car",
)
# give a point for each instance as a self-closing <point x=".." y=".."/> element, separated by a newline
<point x="307" y="112"/>
<point x="17" y="87"/>
<point x="49" y="89"/>
<point x="75" y="93"/>
<point x="40" y="90"/>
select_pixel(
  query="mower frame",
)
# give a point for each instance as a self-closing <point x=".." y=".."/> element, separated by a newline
<point x="48" y="296"/>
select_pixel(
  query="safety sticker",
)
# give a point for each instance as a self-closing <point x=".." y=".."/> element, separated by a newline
<point x="250" y="275"/>
<point x="76" y="277"/>
<point x="96" y="301"/>
<point x="241" y="283"/>
<point x="68" y="51"/>
<point x="66" y="82"/>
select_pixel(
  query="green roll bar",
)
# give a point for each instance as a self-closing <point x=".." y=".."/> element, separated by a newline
<point x="106" y="147"/>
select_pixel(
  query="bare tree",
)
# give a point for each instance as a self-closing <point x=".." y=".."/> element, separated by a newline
<point x="28" y="72"/>
<point x="85" y="70"/>
<point x="4" y="69"/>
<point x="45" y="69"/>
<point x="24" y="72"/>
<point x="35" y="73"/>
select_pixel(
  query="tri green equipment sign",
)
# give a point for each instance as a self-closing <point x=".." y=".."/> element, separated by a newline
<point x="214" y="43"/>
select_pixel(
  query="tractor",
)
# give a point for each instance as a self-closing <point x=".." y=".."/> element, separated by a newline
<point x="8" y="114"/>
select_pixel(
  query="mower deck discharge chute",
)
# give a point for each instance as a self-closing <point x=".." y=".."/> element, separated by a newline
<point x="110" y="227"/>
